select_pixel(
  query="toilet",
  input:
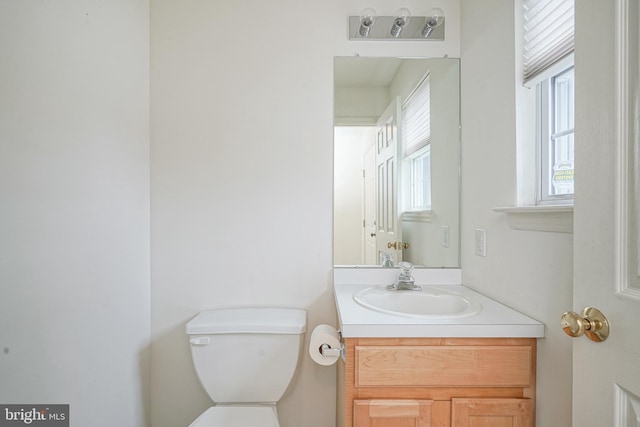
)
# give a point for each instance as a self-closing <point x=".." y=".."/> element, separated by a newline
<point x="245" y="359"/>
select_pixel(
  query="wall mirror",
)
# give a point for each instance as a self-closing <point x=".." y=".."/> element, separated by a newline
<point x="397" y="161"/>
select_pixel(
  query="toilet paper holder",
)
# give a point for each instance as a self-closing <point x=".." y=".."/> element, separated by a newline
<point x="326" y="346"/>
<point x="327" y="350"/>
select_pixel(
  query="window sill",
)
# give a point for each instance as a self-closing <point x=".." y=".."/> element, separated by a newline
<point x="556" y="218"/>
<point x="416" y="216"/>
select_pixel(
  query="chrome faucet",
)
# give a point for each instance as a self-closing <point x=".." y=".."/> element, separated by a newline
<point x="405" y="281"/>
<point x="386" y="260"/>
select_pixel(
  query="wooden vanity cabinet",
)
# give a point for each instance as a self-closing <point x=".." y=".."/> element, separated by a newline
<point x="437" y="382"/>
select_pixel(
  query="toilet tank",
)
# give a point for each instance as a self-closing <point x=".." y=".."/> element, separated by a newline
<point x="246" y="355"/>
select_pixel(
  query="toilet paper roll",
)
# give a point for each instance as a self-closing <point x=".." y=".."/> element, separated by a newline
<point x="324" y="335"/>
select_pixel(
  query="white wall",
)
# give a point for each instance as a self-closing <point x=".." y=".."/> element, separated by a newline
<point x="371" y="102"/>
<point x="74" y="207"/>
<point x="530" y="271"/>
<point x="242" y="130"/>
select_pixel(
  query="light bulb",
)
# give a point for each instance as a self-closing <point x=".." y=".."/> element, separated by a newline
<point x="435" y="18"/>
<point x="400" y="21"/>
<point x="367" y="19"/>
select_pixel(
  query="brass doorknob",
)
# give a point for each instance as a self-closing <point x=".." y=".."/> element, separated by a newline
<point x="591" y="322"/>
<point x="397" y="245"/>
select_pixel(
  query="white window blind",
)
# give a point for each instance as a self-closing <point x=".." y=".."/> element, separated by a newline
<point x="416" y="119"/>
<point x="548" y="34"/>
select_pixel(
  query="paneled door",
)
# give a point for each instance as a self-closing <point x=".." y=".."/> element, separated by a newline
<point x="606" y="374"/>
<point x="389" y="231"/>
<point x="370" y="250"/>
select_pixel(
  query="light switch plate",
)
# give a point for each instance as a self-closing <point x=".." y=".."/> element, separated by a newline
<point x="481" y="242"/>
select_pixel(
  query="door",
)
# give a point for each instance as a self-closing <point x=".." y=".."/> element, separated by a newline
<point x="606" y="375"/>
<point x="389" y="231"/>
<point x="369" y="199"/>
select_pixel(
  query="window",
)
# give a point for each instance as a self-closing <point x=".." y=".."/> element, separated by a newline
<point x="544" y="114"/>
<point x="556" y="140"/>
<point x="419" y="165"/>
<point x="416" y="149"/>
<point x="548" y="33"/>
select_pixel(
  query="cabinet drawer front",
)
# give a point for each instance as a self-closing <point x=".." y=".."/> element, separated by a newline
<point x="492" y="413"/>
<point x="443" y="366"/>
<point x="392" y="413"/>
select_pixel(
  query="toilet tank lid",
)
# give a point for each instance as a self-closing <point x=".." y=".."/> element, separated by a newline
<point x="249" y="320"/>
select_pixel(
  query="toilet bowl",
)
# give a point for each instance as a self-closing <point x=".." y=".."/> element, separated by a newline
<point x="245" y="359"/>
<point x="238" y="416"/>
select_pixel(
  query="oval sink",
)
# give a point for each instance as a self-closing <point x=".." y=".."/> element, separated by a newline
<point x="429" y="303"/>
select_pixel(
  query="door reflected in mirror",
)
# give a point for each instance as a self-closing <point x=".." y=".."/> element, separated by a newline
<point x="397" y="161"/>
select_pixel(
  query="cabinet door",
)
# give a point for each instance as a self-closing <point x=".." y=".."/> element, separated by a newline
<point x="392" y="413"/>
<point x="492" y="413"/>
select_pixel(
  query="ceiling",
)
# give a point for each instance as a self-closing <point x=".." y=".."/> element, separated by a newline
<point x="365" y="71"/>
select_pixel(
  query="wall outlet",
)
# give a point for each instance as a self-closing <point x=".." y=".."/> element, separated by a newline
<point x="481" y="242"/>
<point x="445" y="236"/>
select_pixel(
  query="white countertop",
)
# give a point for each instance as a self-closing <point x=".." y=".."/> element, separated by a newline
<point x="495" y="320"/>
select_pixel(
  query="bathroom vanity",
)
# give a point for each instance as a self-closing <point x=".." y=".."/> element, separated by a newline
<point x="433" y="369"/>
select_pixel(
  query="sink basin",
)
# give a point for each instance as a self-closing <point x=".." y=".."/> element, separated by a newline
<point x="430" y="302"/>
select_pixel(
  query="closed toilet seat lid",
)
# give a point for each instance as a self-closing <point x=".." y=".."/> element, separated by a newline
<point x="237" y="416"/>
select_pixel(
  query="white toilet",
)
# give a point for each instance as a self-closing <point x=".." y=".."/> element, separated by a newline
<point x="245" y="359"/>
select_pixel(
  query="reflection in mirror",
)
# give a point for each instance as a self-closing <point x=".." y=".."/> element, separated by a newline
<point x="397" y="161"/>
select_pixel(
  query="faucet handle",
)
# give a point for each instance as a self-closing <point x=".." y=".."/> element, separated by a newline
<point x="405" y="281"/>
<point x="405" y="268"/>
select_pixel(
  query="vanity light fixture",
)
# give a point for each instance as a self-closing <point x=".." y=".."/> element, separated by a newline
<point x="434" y="19"/>
<point x="367" y="19"/>
<point x="369" y="26"/>
<point x="400" y="21"/>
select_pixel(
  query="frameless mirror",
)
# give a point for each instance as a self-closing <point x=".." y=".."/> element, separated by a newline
<point x="397" y="161"/>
